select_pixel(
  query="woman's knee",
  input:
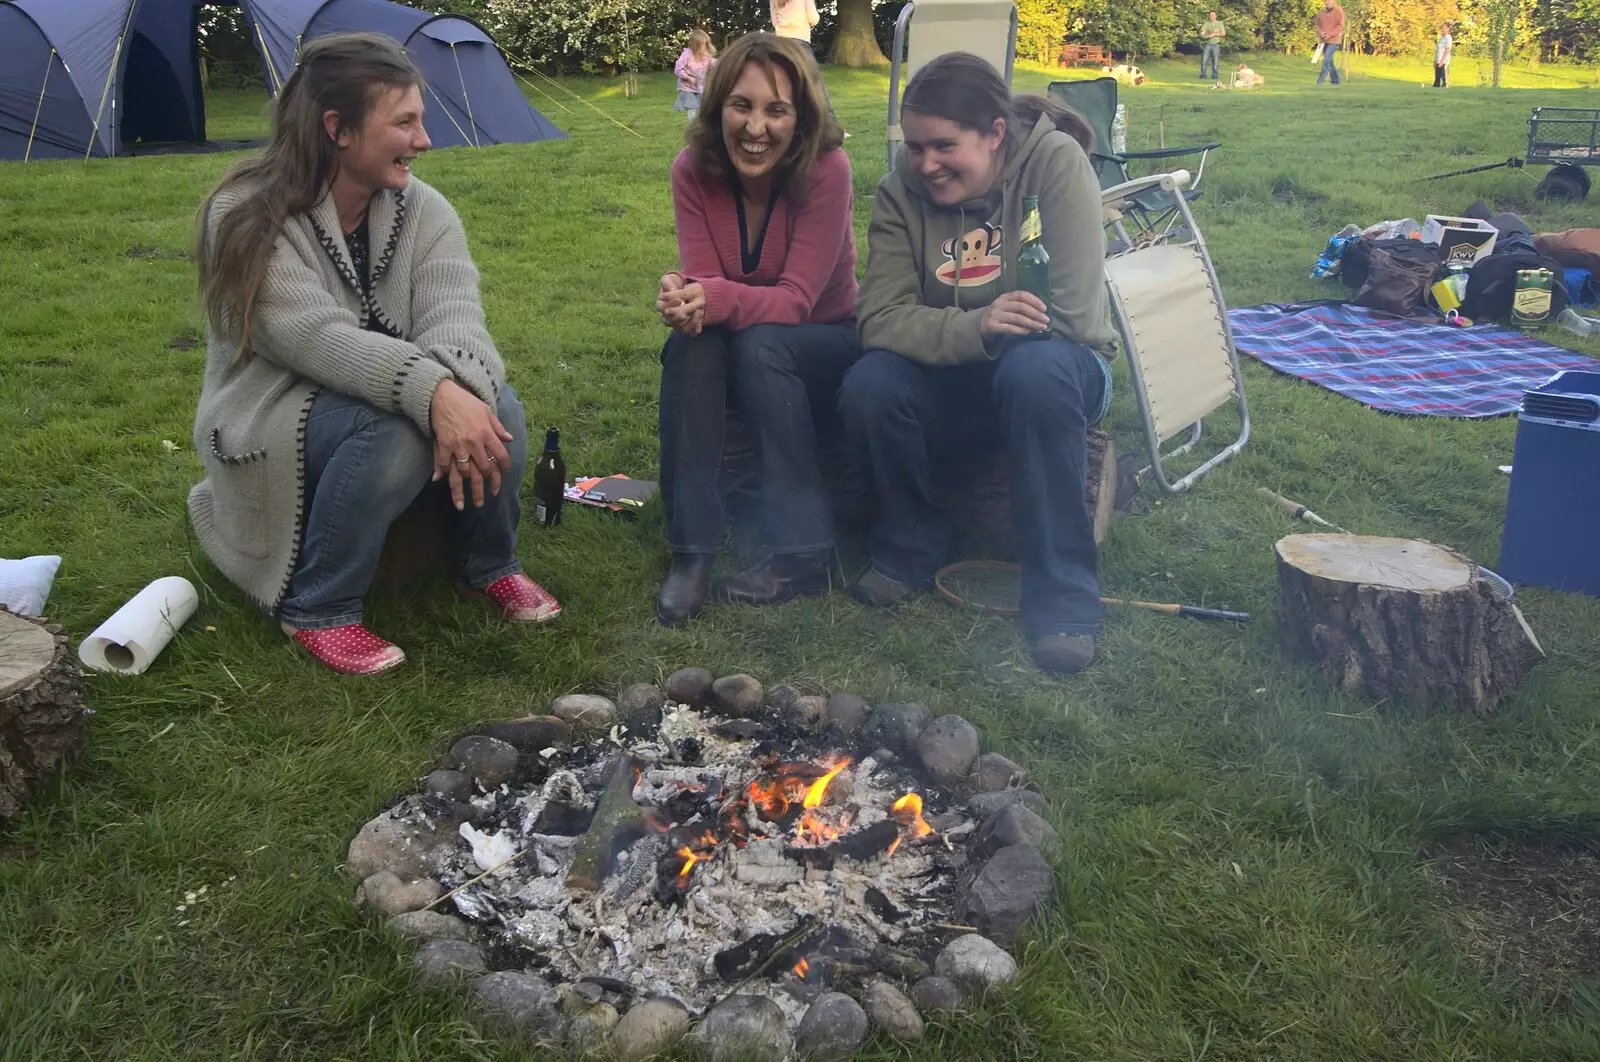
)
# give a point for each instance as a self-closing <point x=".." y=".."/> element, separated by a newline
<point x="880" y="382"/>
<point x="401" y="460"/>
<point x="514" y="419"/>
<point x="764" y="346"/>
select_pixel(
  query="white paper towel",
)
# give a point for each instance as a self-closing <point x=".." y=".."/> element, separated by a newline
<point x="134" y="636"/>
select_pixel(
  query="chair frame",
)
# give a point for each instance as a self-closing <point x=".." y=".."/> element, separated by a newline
<point x="1113" y="199"/>
<point x="897" y="57"/>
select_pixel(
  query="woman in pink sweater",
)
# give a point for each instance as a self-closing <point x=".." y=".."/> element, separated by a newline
<point x="762" y="312"/>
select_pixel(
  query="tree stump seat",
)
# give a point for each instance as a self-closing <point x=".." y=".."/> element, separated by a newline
<point x="41" y="708"/>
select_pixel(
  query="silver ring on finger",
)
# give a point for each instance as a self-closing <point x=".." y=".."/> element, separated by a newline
<point x="463" y="461"/>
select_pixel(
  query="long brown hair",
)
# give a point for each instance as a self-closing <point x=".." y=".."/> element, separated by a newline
<point x="816" y="131"/>
<point x="346" y="73"/>
<point x="969" y="92"/>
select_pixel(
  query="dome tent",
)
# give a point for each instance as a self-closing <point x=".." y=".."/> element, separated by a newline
<point x="81" y="78"/>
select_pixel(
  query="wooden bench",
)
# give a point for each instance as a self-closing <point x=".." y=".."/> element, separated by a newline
<point x="1083" y="55"/>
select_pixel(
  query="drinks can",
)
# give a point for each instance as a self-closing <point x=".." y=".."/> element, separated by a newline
<point x="1531" y="299"/>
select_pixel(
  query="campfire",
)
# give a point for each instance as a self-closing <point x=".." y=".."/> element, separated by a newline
<point x="702" y="857"/>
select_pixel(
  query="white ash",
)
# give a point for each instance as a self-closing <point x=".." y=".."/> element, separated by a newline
<point x="625" y="930"/>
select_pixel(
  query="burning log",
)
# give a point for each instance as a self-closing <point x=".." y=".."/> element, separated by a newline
<point x="615" y="818"/>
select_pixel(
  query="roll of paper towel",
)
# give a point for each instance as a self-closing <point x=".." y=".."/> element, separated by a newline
<point x="134" y="636"/>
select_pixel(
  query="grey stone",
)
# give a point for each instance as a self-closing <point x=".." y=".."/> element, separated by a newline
<point x="575" y="998"/>
<point x="805" y="713"/>
<point x="649" y="1028"/>
<point x="896" y="726"/>
<point x="975" y="963"/>
<point x="452" y="785"/>
<point x="389" y="896"/>
<point x="992" y="773"/>
<point x="948" y="746"/>
<point x="585" y="711"/>
<point x="747" y="1029"/>
<point x="834" y="1027"/>
<point x="589" y="1031"/>
<point x="640" y="703"/>
<point x="846" y="713"/>
<point x="491" y="761"/>
<point x="737" y="695"/>
<point x="690" y="686"/>
<point x="1014" y="825"/>
<point x="936" y="995"/>
<point x="532" y="733"/>
<point x="777" y="699"/>
<point x="404" y="840"/>
<point x="445" y="960"/>
<point x="430" y="925"/>
<point x="1012" y="887"/>
<point x="892" y="1012"/>
<point x="985" y="804"/>
<point x="524" y="1000"/>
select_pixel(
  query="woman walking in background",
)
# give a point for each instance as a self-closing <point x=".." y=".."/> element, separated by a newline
<point x="1441" y="57"/>
<point x="691" y="68"/>
<point x="762" y="312"/>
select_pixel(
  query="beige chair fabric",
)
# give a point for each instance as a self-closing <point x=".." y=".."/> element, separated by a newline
<point x="1175" y="331"/>
<point x="982" y="27"/>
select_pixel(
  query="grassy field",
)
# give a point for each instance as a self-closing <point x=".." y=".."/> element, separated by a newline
<point x="1241" y="876"/>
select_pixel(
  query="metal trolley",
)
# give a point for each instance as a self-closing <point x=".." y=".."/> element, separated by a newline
<point x="1567" y="139"/>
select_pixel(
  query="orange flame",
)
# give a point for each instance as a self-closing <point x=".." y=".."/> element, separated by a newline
<point x="802" y="968"/>
<point x="907" y="811"/>
<point x="689" y="860"/>
<point x="819" y="788"/>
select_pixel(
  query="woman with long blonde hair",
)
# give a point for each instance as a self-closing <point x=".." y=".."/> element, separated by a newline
<point x="692" y="66"/>
<point x="347" y="363"/>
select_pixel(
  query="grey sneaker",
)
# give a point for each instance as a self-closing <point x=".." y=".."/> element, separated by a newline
<point x="877" y="590"/>
<point x="1063" y="654"/>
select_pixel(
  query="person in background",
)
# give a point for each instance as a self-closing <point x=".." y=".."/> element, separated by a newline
<point x="1244" y="77"/>
<point x="1211" y="35"/>
<point x="1329" y="25"/>
<point x="762" y="312"/>
<point x="1441" y="57"/>
<point x="795" y="19"/>
<point x="347" y="363"/>
<point x="691" y="69"/>
<point x="958" y="357"/>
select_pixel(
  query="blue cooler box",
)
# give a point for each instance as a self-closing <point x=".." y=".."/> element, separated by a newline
<point x="1552" y="532"/>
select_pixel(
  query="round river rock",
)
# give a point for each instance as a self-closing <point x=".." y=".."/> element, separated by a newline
<point x="388" y="895"/>
<point x="992" y="773"/>
<point x="640" y="704"/>
<point x="975" y="963"/>
<point x="585" y="711"/>
<point x="834" y="1027"/>
<point x="690" y="685"/>
<point x="746" y="1028"/>
<point x="938" y="994"/>
<point x="896" y="726"/>
<point x="985" y="804"/>
<point x="1012" y="887"/>
<point x="948" y="746"/>
<point x="445" y="960"/>
<point x="452" y="785"/>
<point x="430" y="925"/>
<point x="649" y="1028"/>
<point x="532" y="733"/>
<point x="491" y="761"/>
<point x="1014" y="825"/>
<point x="892" y="1012"/>
<point x="524" y="1000"/>
<point x="738" y="696"/>
<point x="846" y="712"/>
<point x="404" y="840"/>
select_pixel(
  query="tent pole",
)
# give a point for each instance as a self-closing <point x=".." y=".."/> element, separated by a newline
<point x="447" y="113"/>
<point x="116" y="57"/>
<point x="39" y="107"/>
<point x="267" y="55"/>
<point x="464" y="95"/>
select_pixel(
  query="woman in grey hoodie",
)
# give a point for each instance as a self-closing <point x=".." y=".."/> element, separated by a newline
<point x="957" y="356"/>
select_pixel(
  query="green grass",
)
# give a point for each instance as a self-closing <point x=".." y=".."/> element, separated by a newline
<point x="1240" y="873"/>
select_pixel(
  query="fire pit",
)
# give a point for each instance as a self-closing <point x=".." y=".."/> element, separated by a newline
<point x="784" y="867"/>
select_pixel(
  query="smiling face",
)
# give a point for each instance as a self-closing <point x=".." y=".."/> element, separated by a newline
<point x="378" y="154"/>
<point x="758" y="121"/>
<point x="955" y="164"/>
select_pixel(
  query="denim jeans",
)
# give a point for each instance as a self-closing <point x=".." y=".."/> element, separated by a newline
<point x="773" y="374"/>
<point x="363" y="469"/>
<point x="1038" y="399"/>
<point x="1209" y="54"/>
<point x="1330" y="65"/>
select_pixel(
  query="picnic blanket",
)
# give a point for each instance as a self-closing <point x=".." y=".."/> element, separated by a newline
<point x="1416" y="366"/>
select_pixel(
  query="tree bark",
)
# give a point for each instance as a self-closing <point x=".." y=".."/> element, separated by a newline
<point x="1401" y="620"/>
<point x="855" y="43"/>
<point x="41" y="708"/>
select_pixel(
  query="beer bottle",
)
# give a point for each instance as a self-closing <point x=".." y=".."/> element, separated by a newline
<point x="1033" y="261"/>
<point x="549" y="481"/>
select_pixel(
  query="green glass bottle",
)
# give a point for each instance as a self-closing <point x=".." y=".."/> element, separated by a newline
<point x="1033" y="261"/>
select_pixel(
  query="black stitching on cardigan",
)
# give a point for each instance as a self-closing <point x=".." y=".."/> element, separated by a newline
<point x="382" y="266"/>
<point x="400" y="381"/>
<point x="339" y="263"/>
<point x="299" y="496"/>
<point x="375" y="313"/>
<point x="232" y="460"/>
<point x="483" y="366"/>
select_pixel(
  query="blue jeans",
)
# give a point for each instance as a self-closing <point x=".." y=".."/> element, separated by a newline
<point x="1209" y="54"/>
<point x="363" y="469"/>
<point x="1330" y="66"/>
<point x="773" y="374"/>
<point x="1038" y="399"/>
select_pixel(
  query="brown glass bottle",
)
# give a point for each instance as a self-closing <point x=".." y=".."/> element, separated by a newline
<point x="549" y="481"/>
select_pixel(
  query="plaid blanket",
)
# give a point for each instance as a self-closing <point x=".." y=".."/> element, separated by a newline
<point x="1422" y="368"/>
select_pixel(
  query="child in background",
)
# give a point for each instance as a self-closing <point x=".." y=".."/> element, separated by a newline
<point x="691" y="69"/>
<point x="1244" y="77"/>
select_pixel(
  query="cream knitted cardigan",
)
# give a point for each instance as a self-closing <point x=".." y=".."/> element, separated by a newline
<point x="307" y="334"/>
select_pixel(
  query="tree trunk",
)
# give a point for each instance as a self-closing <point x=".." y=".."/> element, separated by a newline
<point x="1401" y="619"/>
<point x="41" y="708"/>
<point x="1499" y="57"/>
<point x="855" y="43"/>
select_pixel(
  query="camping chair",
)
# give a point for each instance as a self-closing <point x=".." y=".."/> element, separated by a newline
<point x="1169" y="309"/>
<point x="1096" y="100"/>
<point x="986" y="28"/>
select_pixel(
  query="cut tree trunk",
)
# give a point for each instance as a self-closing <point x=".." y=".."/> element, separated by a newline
<point x="855" y="42"/>
<point x="41" y="708"/>
<point x="1401" y="619"/>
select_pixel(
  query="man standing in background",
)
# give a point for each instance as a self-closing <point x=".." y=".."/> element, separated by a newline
<point x="1330" y="32"/>
<point x="1441" y="57"/>
<point x="1211" y="35"/>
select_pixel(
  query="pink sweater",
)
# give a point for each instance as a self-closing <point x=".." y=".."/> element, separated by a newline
<point x="691" y="70"/>
<point x="807" y="271"/>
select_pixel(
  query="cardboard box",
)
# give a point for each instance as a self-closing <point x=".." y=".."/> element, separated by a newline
<point x="1461" y="239"/>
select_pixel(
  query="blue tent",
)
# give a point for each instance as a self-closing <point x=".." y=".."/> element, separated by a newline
<point x="87" y="77"/>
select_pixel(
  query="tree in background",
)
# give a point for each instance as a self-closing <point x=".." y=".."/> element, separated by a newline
<point x="1489" y="28"/>
<point x="1041" y="27"/>
<point x="855" y="41"/>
